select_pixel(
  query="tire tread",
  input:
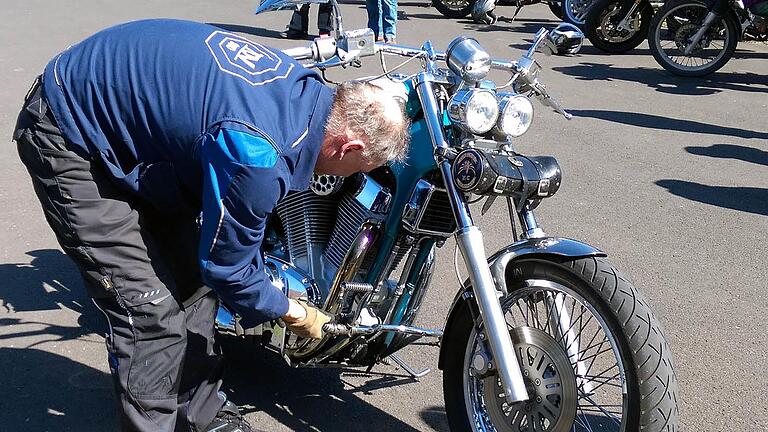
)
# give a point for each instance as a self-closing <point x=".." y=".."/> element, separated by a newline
<point x="658" y="383"/>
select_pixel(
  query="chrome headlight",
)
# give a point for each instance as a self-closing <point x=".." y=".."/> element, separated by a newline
<point x="473" y="109"/>
<point x="515" y="115"/>
<point x="467" y="59"/>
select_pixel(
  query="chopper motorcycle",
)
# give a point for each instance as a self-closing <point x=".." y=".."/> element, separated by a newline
<point x="544" y="335"/>
<point x="692" y="38"/>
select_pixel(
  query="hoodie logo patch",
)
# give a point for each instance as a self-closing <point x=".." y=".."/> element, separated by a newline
<point x="247" y="60"/>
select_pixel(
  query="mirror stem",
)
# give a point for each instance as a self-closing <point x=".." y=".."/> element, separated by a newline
<point x="338" y="28"/>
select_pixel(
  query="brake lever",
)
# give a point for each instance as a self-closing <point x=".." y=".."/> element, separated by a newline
<point x="543" y="96"/>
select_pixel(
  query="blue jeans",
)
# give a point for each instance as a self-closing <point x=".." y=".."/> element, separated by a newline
<point x="382" y="17"/>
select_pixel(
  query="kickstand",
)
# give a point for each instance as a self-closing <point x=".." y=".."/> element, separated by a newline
<point x="408" y="368"/>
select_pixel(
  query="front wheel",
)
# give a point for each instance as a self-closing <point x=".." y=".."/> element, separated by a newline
<point x="602" y="26"/>
<point x="670" y="36"/>
<point x="454" y="8"/>
<point x="592" y="353"/>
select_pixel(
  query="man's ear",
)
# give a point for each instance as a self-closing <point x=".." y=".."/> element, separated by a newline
<point x="351" y="145"/>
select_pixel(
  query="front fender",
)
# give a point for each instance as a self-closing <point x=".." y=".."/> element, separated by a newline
<point x="552" y="247"/>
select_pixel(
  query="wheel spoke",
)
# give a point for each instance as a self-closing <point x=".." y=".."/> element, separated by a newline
<point x="605" y="381"/>
<point x="563" y="369"/>
<point x="601" y="410"/>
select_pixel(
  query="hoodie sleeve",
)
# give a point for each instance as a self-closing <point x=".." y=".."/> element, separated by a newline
<point x="243" y="179"/>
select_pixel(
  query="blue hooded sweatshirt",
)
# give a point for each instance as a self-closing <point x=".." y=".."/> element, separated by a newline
<point x="188" y="116"/>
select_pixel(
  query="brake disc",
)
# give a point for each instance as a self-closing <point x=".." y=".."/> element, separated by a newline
<point x="551" y="385"/>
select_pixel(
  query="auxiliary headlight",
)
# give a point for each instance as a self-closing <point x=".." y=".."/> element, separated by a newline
<point x="516" y="114"/>
<point x="476" y="110"/>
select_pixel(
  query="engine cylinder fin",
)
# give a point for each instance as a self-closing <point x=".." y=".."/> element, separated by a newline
<point x="352" y="214"/>
<point x="307" y="218"/>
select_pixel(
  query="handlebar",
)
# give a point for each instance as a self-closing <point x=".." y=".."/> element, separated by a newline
<point x="326" y="52"/>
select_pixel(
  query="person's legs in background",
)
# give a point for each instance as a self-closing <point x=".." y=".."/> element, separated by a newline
<point x="298" y="28"/>
<point x="325" y="19"/>
<point x="374" y="18"/>
<point x="389" y="20"/>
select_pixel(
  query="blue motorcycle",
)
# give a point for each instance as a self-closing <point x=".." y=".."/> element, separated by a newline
<point x="544" y="335"/>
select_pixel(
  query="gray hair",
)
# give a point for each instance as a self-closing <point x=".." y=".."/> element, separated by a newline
<point x="369" y="113"/>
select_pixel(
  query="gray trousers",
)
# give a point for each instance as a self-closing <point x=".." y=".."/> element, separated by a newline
<point x="141" y="271"/>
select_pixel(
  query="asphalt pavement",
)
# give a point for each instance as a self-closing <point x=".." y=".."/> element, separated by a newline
<point x="667" y="175"/>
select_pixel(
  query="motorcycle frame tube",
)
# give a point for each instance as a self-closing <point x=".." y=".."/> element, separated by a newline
<point x="402" y="283"/>
<point x="470" y="242"/>
<point x="412" y="286"/>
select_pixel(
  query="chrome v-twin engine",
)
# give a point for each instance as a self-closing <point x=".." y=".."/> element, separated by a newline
<point x="321" y="224"/>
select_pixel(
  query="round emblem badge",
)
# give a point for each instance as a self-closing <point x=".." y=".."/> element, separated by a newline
<point x="467" y="169"/>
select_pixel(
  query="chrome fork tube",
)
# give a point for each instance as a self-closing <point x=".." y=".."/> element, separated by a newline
<point x="470" y="242"/>
<point x="531" y="228"/>
<point x="624" y="23"/>
<point x="694" y="41"/>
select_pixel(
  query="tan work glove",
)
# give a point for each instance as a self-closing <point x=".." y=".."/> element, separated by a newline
<point x="312" y="324"/>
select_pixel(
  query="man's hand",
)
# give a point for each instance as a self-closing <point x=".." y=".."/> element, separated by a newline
<point x="304" y="320"/>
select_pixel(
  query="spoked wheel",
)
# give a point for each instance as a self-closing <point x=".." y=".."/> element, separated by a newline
<point x="602" y="26"/>
<point x="670" y="36"/>
<point x="575" y="11"/>
<point x="592" y="355"/>
<point x="454" y="8"/>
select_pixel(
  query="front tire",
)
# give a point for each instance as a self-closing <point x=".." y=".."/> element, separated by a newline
<point x="600" y="30"/>
<point x="570" y="388"/>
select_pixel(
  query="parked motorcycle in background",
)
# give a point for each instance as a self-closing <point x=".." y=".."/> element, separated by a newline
<point x="575" y="11"/>
<point x="617" y="26"/>
<point x="693" y="38"/>
<point x="482" y="11"/>
<point x="544" y="335"/>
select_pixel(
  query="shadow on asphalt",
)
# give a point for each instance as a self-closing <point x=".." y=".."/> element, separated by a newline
<point x="666" y="123"/>
<point x="663" y="82"/>
<point x="591" y="50"/>
<point x="746" y="199"/>
<point x="255" y="31"/>
<point x="49" y="282"/>
<point x="42" y="391"/>
<point x="730" y="151"/>
<point x="311" y="399"/>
